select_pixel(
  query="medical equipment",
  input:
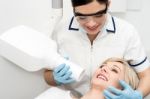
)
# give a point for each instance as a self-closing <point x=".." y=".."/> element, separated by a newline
<point x="33" y="51"/>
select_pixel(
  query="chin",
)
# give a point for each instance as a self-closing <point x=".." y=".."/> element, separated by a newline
<point x="99" y="84"/>
<point x="92" y="33"/>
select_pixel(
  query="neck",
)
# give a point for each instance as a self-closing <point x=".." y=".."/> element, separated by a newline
<point x="93" y="94"/>
<point x="92" y="37"/>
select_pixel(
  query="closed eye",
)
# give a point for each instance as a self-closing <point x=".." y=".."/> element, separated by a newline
<point x="114" y="70"/>
<point x="99" y="15"/>
<point x="82" y="18"/>
<point x="102" y="65"/>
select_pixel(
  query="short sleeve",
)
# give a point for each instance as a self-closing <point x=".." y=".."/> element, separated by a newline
<point x="135" y="52"/>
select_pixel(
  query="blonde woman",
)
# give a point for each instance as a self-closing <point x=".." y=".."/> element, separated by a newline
<point x="111" y="73"/>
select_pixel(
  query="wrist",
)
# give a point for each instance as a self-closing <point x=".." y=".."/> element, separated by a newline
<point x="139" y="94"/>
<point x="48" y="75"/>
<point x="54" y="81"/>
<point x="58" y="83"/>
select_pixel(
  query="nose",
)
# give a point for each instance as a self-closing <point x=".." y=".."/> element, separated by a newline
<point x="91" y="22"/>
<point x="104" y="69"/>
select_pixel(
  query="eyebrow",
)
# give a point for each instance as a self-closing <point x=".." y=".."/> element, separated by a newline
<point x="91" y="14"/>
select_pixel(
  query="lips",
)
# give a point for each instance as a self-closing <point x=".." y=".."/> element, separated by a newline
<point x="92" y="28"/>
<point x="103" y="77"/>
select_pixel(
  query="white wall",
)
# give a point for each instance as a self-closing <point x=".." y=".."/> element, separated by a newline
<point x="141" y="20"/>
<point x="16" y="83"/>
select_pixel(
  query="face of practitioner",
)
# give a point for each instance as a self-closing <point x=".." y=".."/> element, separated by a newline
<point x="108" y="74"/>
<point x="91" y="16"/>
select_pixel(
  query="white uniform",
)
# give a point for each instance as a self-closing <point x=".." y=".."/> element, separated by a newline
<point x="117" y="39"/>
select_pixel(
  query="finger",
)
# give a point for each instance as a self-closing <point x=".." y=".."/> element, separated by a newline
<point x="114" y="90"/>
<point x="59" y="68"/>
<point x="63" y="71"/>
<point x="109" y="95"/>
<point x="67" y="75"/>
<point x="66" y="57"/>
<point x="71" y="80"/>
<point x="124" y="84"/>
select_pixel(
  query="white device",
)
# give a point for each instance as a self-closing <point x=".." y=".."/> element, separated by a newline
<point x="32" y="51"/>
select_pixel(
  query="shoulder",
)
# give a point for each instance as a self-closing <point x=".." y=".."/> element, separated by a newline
<point x="125" y="28"/>
<point x="123" y="24"/>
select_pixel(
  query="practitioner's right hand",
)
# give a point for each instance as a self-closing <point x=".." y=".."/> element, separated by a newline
<point x="62" y="75"/>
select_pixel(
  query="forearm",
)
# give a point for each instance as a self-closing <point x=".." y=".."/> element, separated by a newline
<point x="48" y="76"/>
<point x="144" y="85"/>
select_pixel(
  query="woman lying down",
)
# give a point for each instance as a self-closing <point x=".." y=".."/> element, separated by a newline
<point x="113" y="72"/>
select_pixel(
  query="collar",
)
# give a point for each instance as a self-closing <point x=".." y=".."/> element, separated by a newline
<point x="110" y="25"/>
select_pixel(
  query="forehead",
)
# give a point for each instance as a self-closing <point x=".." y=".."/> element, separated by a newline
<point x="116" y="64"/>
<point x="90" y="8"/>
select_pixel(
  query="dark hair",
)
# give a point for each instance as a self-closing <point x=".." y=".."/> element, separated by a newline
<point x="76" y="3"/>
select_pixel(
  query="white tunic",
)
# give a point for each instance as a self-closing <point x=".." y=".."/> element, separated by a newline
<point x="117" y="39"/>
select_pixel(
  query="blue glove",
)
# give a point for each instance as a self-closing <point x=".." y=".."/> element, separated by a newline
<point x="126" y="93"/>
<point x="62" y="75"/>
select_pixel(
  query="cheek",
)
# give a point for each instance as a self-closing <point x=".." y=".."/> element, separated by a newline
<point x="101" y="23"/>
<point x="114" y="81"/>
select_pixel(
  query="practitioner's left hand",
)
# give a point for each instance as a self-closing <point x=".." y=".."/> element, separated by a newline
<point x="126" y="93"/>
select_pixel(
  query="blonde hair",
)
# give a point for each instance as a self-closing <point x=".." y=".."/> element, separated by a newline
<point x="130" y="75"/>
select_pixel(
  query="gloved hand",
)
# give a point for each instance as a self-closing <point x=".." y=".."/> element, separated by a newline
<point x="126" y="93"/>
<point x="62" y="75"/>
